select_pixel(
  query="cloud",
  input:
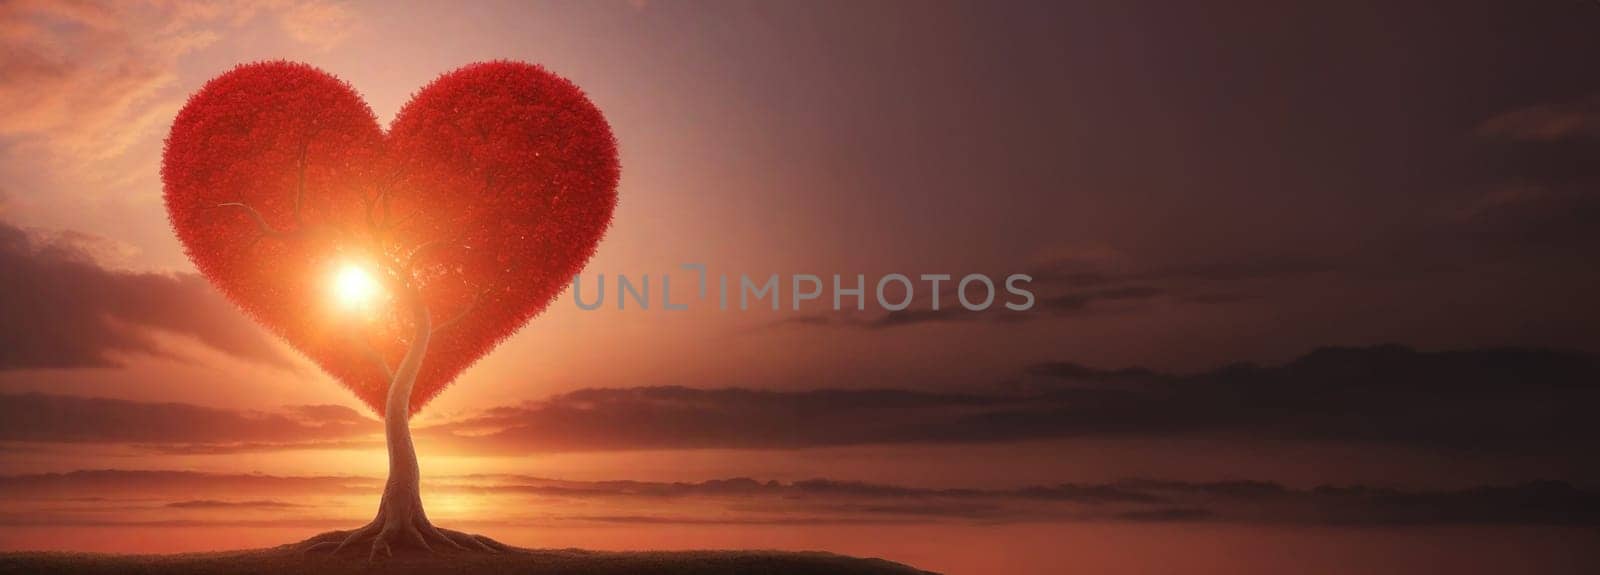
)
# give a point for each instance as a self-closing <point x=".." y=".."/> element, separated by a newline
<point x="1531" y="403"/>
<point x="317" y="23"/>
<point x="1548" y="122"/>
<point x="96" y="495"/>
<point x="81" y="79"/>
<point x="64" y="309"/>
<point x="107" y="484"/>
<point x="1499" y="400"/>
<point x="1542" y="197"/>
<point x="87" y="80"/>
<point x="678" y="417"/>
<point x="830" y="501"/>
<point x="214" y="504"/>
<point x="1528" y="221"/>
<point x="43" y="418"/>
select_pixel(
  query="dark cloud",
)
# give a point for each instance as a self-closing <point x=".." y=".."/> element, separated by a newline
<point x="225" y="448"/>
<point x="1545" y="503"/>
<point x="678" y="417"/>
<point x="1500" y="400"/>
<point x="1540" y="198"/>
<point x="1171" y="514"/>
<point x="1552" y="222"/>
<point x="108" y="484"/>
<point x="36" y="417"/>
<point x="1063" y="370"/>
<point x="62" y="309"/>
<point x="1547" y="122"/>
<point x="816" y="501"/>
<point x="1080" y="301"/>
<point x="215" y="504"/>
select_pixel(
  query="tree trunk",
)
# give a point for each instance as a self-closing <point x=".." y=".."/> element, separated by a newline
<point x="402" y="495"/>
<point x="401" y="521"/>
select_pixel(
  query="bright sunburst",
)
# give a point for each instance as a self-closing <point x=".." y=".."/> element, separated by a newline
<point x="354" y="287"/>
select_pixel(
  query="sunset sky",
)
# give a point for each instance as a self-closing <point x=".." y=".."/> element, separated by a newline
<point x="1315" y="288"/>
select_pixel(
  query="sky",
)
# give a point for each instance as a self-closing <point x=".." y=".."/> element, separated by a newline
<point x="1313" y="279"/>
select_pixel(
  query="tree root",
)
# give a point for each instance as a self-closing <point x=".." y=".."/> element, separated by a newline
<point x="383" y="538"/>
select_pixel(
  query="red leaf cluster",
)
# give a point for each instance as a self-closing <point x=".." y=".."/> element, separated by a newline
<point x="497" y="181"/>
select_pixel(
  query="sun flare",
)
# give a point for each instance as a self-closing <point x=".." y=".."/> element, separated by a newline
<point x="353" y="287"/>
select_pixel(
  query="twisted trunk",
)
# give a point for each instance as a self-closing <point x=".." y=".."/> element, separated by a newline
<point x="400" y="521"/>
<point x="402" y="495"/>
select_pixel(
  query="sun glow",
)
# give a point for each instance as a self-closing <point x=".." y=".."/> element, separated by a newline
<point x="353" y="287"/>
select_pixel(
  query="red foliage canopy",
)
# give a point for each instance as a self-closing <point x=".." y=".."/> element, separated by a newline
<point x="495" y="184"/>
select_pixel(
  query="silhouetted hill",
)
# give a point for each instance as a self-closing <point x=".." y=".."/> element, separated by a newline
<point x="288" y="559"/>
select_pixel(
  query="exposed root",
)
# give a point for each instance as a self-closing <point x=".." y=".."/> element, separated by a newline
<point x="383" y="539"/>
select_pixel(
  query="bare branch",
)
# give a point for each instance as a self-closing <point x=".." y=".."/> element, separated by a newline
<point x="397" y="222"/>
<point x="425" y="248"/>
<point x="383" y="199"/>
<point x="373" y="225"/>
<point x="388" y="218"/>
<point x="476" y="300"/>
<point x="261" y="223"/>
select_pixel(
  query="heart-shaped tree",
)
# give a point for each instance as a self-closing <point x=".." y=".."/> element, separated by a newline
<point x="427" y="245"/>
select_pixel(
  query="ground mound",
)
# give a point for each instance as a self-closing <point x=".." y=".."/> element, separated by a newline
<point x="289" y="559"/>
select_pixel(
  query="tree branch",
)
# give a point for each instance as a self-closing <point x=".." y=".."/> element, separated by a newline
<point x="425" y="248"/>
<point x="476" y="300"/>
<point x="261" y="223"/>
<point x="416" y="254"/>
<point x="376" y="226"/>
